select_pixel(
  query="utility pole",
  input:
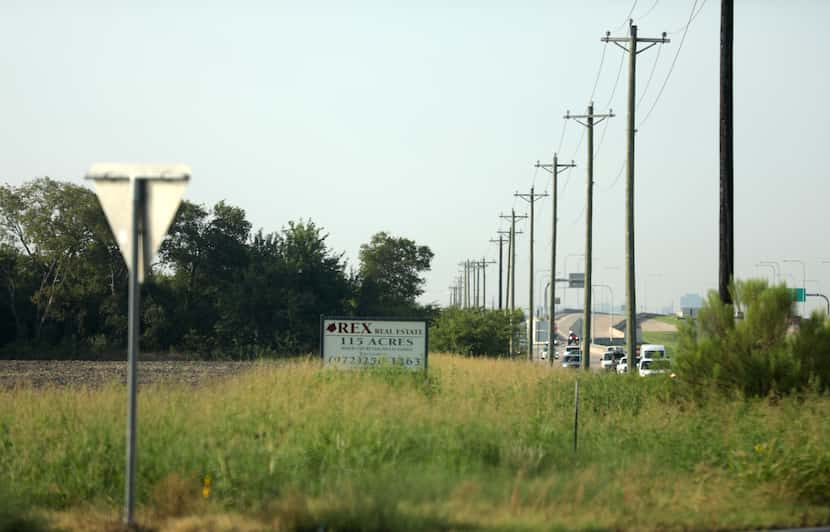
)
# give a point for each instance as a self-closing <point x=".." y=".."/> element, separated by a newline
<point x="591" y="120"/>
<point x="511" y="269"/>
<point x="474" y="275"/>
<point x="465" y="296"/>
<point x="483" y="263"/>
<point x="531" y="198"/>
<point x="511" y="257"/>
<point x="501" y="248"/>
<point x="630" y="284"/>
<point x="727" y="197"/>
<point x="470" y="281"/>
<point x="553" y="168"/>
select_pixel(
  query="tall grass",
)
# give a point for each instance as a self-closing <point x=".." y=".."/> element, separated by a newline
<point x="475" y="444"/>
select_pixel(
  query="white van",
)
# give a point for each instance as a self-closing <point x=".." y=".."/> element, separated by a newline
<point x="652" y="351"/>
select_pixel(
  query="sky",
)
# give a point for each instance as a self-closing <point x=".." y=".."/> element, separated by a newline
<point x="423" y="121"/>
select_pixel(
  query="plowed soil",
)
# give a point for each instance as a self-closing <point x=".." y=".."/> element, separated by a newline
<point x="39" y="373"/>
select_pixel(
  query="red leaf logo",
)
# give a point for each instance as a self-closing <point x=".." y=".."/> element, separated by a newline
<point x="331" y="328"/>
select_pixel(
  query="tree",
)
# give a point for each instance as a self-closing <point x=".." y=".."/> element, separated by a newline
<point x="64" y="255"/>
<point x="293" y="279"/>
<point x="206" y="256"/>
<point x="390" y="275"/>
<point x="474" y="331"/>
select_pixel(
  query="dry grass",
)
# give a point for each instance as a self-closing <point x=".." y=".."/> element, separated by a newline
<point x="476" y="444"/>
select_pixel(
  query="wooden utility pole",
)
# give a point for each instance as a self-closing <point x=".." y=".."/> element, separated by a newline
<point x="501" y="248"/>
<point x="591" y="120"/>
<point x="530" y="198"/>
<point x="630" y="283"/>
<point x="466" y="264"/>
<point x="483" y="263"/>
<point x="727" y="198"/>
<point x="476" y="283"/>
<point x="511" y="269"/>
<point x="511" y="257"/>
<point x="553" y="169"/>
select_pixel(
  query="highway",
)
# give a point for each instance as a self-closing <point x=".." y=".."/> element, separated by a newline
<point x="602" y="327"/>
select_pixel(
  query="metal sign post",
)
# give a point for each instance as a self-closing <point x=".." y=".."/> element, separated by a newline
<point x="139" y="202"/>
<point x="138" y="189"/>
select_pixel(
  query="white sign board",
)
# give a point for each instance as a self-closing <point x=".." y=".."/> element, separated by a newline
<point x="367" y="342"/>
<point x="165" y="184"/>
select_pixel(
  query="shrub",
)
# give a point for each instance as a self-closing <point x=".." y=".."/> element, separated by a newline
<point x="473" y="331"/>
<point x="752" y="356"/>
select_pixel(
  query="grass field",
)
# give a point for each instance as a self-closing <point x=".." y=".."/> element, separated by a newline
<point x="670" y="320"/>
<point x="478" y="444"/>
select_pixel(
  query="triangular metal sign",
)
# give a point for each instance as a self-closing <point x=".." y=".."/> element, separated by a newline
<point x="164" y="186"/>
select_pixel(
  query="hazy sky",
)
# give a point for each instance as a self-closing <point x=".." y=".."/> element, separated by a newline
<point x="423" y="120"/>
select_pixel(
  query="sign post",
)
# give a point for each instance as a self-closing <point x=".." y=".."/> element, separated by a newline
<point x="139" y="202"/>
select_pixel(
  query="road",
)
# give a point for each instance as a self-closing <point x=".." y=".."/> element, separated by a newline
<point x="602" y="328"/>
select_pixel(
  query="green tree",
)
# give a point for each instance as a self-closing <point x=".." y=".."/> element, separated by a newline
<point x="65" y="259"/>
<point x="293" y="279"/>
<point x="390" y="275"/>
<point x="206" y="256"/>
<point x="475" y="332"/>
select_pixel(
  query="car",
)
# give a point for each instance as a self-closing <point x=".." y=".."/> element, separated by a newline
<point x="572" y="349"/>
<point x="650" y="366"/>
<point x="609" y="361"/>
<point x="571" y="361"/>
<point x="622" y="365"/>
<point x="543" y="354"/>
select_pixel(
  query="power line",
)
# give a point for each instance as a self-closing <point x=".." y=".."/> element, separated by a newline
<point x="650" y="75"/>
<point x="674" y="61"/>
<point x="610" y="100"/>
<point x="683" y="28"/>
<point x="581" y="213"/>
<point x="599" y="71"/>
<point x="601" y="138"/>
<point x="562" y="136"/>
<point x="627" y="17"/>
<point x="533" y="180"/>
<point x="616" y="179"/>
<point x="616" y="81"/>
<point x="648" y="12"/>
<point x="567" y="180"/>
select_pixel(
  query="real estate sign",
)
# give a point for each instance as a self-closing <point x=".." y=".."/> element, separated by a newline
<point x="366" y="342"/>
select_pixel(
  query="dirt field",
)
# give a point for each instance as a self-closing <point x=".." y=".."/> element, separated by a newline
<point x="41" y="373"/>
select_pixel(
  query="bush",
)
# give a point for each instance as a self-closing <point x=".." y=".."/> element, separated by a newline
<point x="753" y="356"/>
<point x="472" y="331"/>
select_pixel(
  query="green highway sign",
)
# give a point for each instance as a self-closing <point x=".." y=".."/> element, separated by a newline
<point x="799" y="295"/>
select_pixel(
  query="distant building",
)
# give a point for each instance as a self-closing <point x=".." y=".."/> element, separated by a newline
<point x="689" y="305"/>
